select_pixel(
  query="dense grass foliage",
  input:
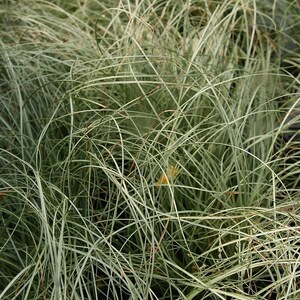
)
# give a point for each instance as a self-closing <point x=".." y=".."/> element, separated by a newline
<point x="149" y="149"/>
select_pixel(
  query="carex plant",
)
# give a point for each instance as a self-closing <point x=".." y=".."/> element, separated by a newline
<point x="149" y="150"/>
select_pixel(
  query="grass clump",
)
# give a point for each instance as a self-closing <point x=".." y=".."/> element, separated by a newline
<point x="148" y="150"/>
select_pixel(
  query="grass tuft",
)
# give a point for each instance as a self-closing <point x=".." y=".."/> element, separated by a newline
<point x="149" y="149"/>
